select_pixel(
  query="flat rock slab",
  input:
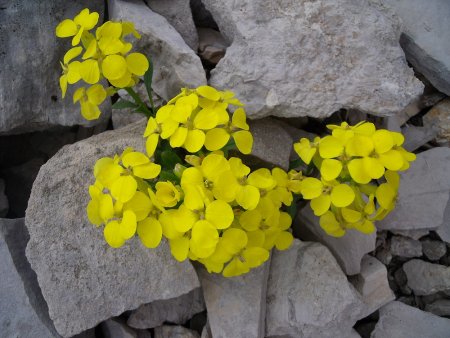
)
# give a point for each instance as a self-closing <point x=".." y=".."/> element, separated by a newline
<point x="308" y="295"/>
<point x="400" y="320"/>
<point x="427" y="278"/>
<point x="83" y="280"/>
<point x="428" y="179"/>
<point x="312" y="58"/>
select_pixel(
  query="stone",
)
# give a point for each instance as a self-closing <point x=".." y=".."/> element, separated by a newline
<point x="113" y="328"/>
<point x="206" y="332"/>
<point x="308" y="295"/>
<point x="211" y="45"/>
<point x="444" y="230"/>
<point x="4" y="204"/>
<point x="176" y="310"/>
<point x="348" y="249"/>
<point x="433" y="250"/>
<point x="415" y="137"/>
<point x="30" y="97"/>
<point x="424" y="38"/>
<point x="124" y="117"/>
<point x="354" y="334"/>
<point x="440" y="307"/>
<point x="405" y="247"/>
<point x="167" y="331"/>
<point x="401" y="320"/>
<point x="175" y="64"/>
<point x="178" y="13"/>
<point x="414" y="234"/>
<point x="229" y="300"/>
<point x="372" y="284"/>
<point x="438" y="118"/>
<point x="358" y="41"/>
<point x="426" y="278"/>
<point x="83" y="280"/>
<point x="428" y="179"/>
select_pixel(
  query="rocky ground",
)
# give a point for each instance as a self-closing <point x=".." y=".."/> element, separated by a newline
<point x="304" y="64"/>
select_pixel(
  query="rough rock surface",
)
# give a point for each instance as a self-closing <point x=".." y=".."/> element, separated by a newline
<point x="444" y="230"/>
<point x="113" y="328"/>
<point x="428" y="179"/>
<point x="357" y="41"/>
<point x="415" y="137"/>
<point x="426" y="278"/>
<point x="30" y="97"/>
<point x="177" y="310"/>
<point x="438" y="118"/>
<point x="178" y="13"/>
<point x="168" y="331"/>
<point x="440" y="307"/>
<point x="425" y="38"/>
<point x="405" y="247"/>
<point x="308" y="295"/>
<point x="211" y="44"/>
<point x="433" y="250"/>
<point x="236" y="306"/>
<point x="400" y="320"/>
<point x="83" y="280"/>
<point x="175" y="64"/>
<point x="348" y="249"/>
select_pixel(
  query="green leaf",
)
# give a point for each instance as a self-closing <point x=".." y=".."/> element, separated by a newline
<point x="148" y="76"/>
<point x="169" y="159"/>
<point x="167" y="175"/>
<point x="122" y="103"/>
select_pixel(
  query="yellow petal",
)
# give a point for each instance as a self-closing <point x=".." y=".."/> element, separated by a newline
<point x="220" y="214"/>
<point x="248" y="197"/>
<point x="148" y="171"/>
<point x="350" y="215"/>
<point x="63" y="85"/>
<point x="255" y="256"/>
<point x="234" y="240"/>
<point x="134" y="158"/>
<point x="367" y="227"/>
<point x="262" y="179"/>
<point x="164" y="113"/>
<point x="385" y="195"/>
<point x="213" y="165"/>
<point x="284" y="240"/>
<point x="123" y="188"/>
<point x="150" y="232"/>
<point x="311" y="188"/>
<point x="125" y="81"/>
<point x="86" y="20"/>
<point x="206" y="119"/>
<point x="373" y="167"/>
<point x="255" y="238"/>
<point x="93" y="213"/>
<point x="151" y="144"/>
<point x="383" y="141"/>
<point x="96" y="94"/>
<point x="250" y="220"/>
<point x="90" y="111"/>
<point x="137" y="63"/>
<point x="91" y="51"/>
<point x="184" y="219"/>
<point x="168" y="127"/>
<point x="71" y="54"/>
<point x="330" y="147"/>
<point x="321" y="204"/>
<point x="89" y="71"/>
<point x="239" y="119"/>
<point x="359" y="145"/>
<point x="128" y="224"/>
<point x="392" y="159"/>
<point x="358" y="172"/>
<point x="330" y="169"/>
<point x="235" y="268"/>
<point x="194" y="140"/>
<point x="66" y="28"/>
<point x="216" y="139"/>
<point x="329" y="224"/>
<point x="114" y="67"/>
<point x="342" y="195"/>
<point x="179" y="247"/>
<point x="244" y="141"/>
<point x="208" y="92"/>
<point x="73" y="72"/>
<point x="204" y="234"/>
<point x="106" y="208"/>
<point x="178" y="137"/>
<point x="304" y="150"/>
<point x="140" y="204"/>
<point x="112" y="234"/>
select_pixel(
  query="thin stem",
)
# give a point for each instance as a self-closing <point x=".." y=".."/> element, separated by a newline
<point x="142" y="106"/>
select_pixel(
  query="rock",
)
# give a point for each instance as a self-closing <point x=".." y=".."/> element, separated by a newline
<point x="113" y="328"/>
<point x="83" y="280"/>
<point x="384" y="256"/>
<point x="198" y="321"/>
<point x="400" y="320"/>
<point x="30" y="97"/>
<point x="372" y="284"/>
<point x="426" y="278"/>
<point x="415" y="137"/>
<point x="178" y="13"/>
<point x="438" y="118"/>
<point x="354" y="334"/>
<point x="175" y="64"/>
<point x="440" y="307"/>
<point x="348" y="249"/>
<point x="425" y="27"/>
<point x="229" y="300"/>
<point x="405" y="247"/>
<point x="444" y="230"/>
<point x="177" y="310"/>
<point x="414" y="234"/>
<point x="211" y="45"/>
<point x="206" y="332"/>
<point x="366" y="68"/>
<point x="308" y="295"/>
<point x="433" y="250"/>
<point x="123" y="117"/>
<point x="167" y="331"/>
<point x="20" y="314"/>
<point x="4" y="204"/>
<point x="428" y="179"/>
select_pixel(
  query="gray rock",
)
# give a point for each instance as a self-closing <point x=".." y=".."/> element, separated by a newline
<point x="425" y="28"/>
<point x="415" y="137"/>
<point x="444" y="230"/>
<point x="400" y="320"/>
<point x="206" y="332"/>
<point x="428" y="179"/>
<point x="405" y="247"/>
<point x="113" y="328"/>
<point x="426" y="278"/>
<point x="433" y="250"/>
<point x="354" y="334"/>
<point x="211" y="45"/>
<point x="372" y="284"/>
<point x="365" y="66"/>
<point x="177" y="310"/>
<point x="178" y="13"/>
<point x="83" y="280"/>
<point x="175" y="64"/>
<point x="348" y="249"/>
<point x="414" y="234"/>
<point x="308" y="295"/>
<point x="30" y="97"/>
<point x="440" y="307"/>
<point x="167" y="331"/>
<point x="438" y="118"/>
<point x="4" y="204"/>
<point x="236" y="306"/>
<point x="124" y="117"/>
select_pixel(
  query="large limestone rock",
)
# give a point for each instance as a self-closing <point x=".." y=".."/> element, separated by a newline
<point x="311" y="58"/>
<point x="308" y="295"/>
<point x="427" y="278"/>
<point x="175" y="64"/>
<point x="30" y="97"/>
<point x="83" y="280"/>
<point x="425" y="38"/>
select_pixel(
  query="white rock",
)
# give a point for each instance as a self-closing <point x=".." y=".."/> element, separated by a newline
<point x="175" y="64"/>
<point x="83" y="280"/>
<point x="401" y="320"/>
<point x="167" y="331"/>
<point x="236" y="306"/>
<point x="308" y="295"/>
<point x="348" y="249"/>
<point x="438" y="118"/>
<point x="444" y="230"/>
<point x="428" y="179"/>
<point x="211" y="44"/>
<point x="405" y="247"/>
<point x="426" y="278"/>
<point x="415" y="137"/>
<point x="303" y="58"/>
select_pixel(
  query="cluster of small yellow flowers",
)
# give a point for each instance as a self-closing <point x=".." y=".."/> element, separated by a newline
<point x="199" y="117"/>
<point x="106" y="55"/>
<point x="353" y="162"/>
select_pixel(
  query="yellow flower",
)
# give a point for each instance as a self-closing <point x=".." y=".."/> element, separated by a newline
<point x="71" y="70"/>
<point x="84" y="21"/>
<point x="167" y="194"/>
<point x="305" y="149"/>
<point x="89" y="100"/>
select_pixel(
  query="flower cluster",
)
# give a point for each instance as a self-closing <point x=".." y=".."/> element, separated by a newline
<point x="105" y="55"/>
<point x="359" y="175"/>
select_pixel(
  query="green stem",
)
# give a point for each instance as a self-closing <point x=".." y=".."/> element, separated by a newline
<point x="142" y="106"/>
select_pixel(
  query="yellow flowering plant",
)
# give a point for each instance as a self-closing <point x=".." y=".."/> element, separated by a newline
<point x="211" y="207"/>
